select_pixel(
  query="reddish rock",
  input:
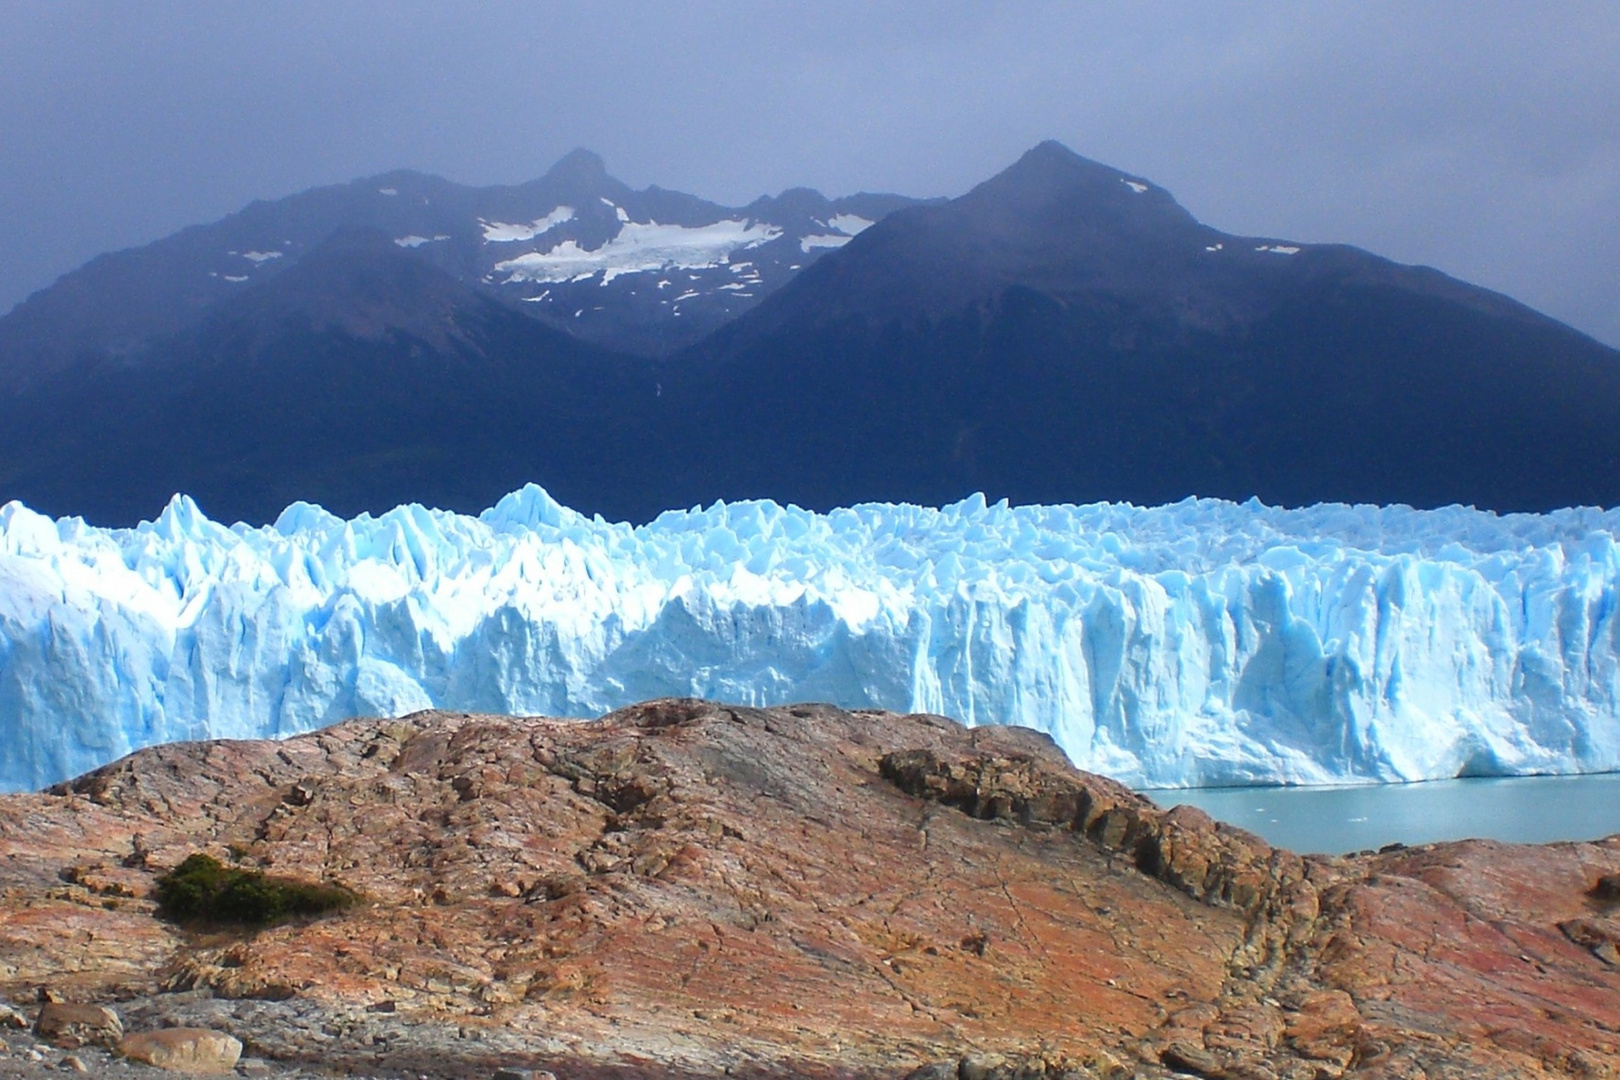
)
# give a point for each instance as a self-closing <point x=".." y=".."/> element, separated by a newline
<point x="687" y="888"/>
<point x="1325" y="1026"/>
<point x="70" y="1025"/>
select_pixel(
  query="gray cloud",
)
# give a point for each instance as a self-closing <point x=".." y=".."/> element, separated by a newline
<point x="1481" y="138"/>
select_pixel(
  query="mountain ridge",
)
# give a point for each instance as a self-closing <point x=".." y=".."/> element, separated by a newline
<point x="120" y="302"/>
<point x="1064" y="332"/>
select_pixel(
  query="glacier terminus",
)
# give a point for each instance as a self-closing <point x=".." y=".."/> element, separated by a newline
<point x="1200" y="643"/>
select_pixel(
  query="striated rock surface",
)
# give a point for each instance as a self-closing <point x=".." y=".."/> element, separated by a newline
<point x="689" y="889"/>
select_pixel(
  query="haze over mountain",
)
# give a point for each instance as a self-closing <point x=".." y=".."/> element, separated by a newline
<point x="1063" y="332"/>
<point x="642" y="271"/>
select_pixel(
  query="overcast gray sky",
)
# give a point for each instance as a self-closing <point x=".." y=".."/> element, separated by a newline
<point x="1482" y="138"/>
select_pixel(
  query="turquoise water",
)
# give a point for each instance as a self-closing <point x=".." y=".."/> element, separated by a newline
<point x="1336" y="820"/>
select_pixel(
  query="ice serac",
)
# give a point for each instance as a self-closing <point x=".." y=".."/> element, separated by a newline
<point x="1199" y="643"/>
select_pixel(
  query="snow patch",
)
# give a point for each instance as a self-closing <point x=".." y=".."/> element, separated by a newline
<point x="1279" y="249"/>
<point x="849" y="224"/>
<point x="1134" y="185"/>
<point x="641" y="247"/>
<point x="387" y="191"/>
<point x="257" y="257"/>
<point x="500" y="232"/>
<point x="808" y="244"/>
<point x="414" y="241"/>
<point x="235" y="277"/>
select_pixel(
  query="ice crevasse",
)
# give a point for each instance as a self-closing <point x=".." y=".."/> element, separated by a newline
<point x="1204" y="642"/>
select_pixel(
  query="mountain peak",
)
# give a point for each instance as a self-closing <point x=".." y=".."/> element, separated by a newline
<point x="1051" y="167"/>
<point x="579" y="165"/>
<point x="1052" y="158"/>
<point x="1052" y="150"/>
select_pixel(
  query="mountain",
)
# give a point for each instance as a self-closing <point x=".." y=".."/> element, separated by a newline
<point x="362" y="376"/>
<point x="640" y="271"/>
<point x="683" y="890"/>
<point x="1064" y="332"/>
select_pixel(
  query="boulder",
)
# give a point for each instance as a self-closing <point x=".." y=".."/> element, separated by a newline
<point x="183" y="1049"/>
<point x="70" y="1025"/>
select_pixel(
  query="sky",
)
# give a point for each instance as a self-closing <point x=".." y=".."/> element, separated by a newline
<point x="1479" y="138"/>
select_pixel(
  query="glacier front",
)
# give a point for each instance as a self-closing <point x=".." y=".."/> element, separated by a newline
<point x="1195" y="644"/>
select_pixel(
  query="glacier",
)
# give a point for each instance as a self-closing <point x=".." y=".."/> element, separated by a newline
<point x="1201" y="643"/>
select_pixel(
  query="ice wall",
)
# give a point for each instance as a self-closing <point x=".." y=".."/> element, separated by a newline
<point x="1199" y="643"/>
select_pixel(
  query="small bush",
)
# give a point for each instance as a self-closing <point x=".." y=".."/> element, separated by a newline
<point x="202" y="890"/>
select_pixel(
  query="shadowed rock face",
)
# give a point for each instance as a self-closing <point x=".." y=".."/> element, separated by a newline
<point x="683" y="888"/>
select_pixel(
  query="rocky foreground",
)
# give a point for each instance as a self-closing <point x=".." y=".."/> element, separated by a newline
<point x="684" y="889"/>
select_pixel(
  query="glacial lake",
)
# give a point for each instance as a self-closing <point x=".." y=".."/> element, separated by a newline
<point x="1338" y="820"/>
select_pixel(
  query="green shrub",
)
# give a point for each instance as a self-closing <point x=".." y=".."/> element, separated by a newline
<point x="202" y="890"/>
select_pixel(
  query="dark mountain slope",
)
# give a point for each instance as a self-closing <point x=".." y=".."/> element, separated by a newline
<point x="1065" y="332"/>
<point x="119" y="303"/>
<point x="361" y="378"/>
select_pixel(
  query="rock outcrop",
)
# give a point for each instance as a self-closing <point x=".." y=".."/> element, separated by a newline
<point x="690" y="889"/>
